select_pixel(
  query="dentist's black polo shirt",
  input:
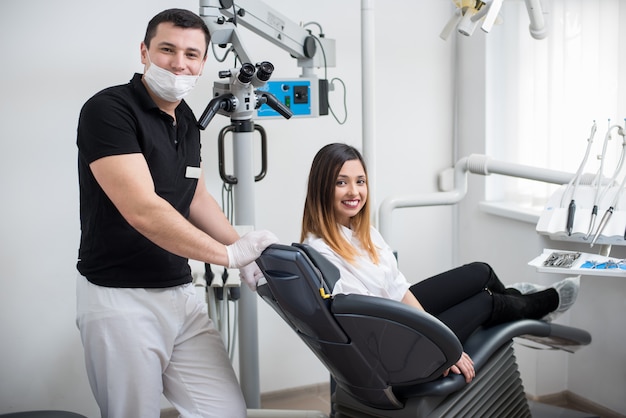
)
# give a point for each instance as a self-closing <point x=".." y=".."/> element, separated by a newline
<point x="123" y="120"/>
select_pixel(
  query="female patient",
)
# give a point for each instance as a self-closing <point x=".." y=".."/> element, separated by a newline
<point x="336" y="223"/>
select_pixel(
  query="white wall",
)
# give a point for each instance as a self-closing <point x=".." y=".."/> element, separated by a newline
<point x="57" y="54"/>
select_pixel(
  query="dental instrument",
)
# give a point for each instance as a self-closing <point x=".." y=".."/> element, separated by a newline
<point x="605" y="220"/>
<point x="575" y="181"/>
<point x="609" y="212"/>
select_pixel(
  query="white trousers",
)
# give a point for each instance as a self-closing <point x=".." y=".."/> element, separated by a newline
<point x="141" y="343"/>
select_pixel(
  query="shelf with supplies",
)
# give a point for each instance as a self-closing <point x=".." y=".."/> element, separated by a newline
<point x="577" y="262"/>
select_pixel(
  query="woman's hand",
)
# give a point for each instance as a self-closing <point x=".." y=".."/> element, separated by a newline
<point x="464" y="366"/>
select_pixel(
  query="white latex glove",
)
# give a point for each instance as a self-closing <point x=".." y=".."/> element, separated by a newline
<point x="250" y="274"/>
<point x="248" y="248"/>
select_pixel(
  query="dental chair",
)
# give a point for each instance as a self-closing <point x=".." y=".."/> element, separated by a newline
<point x="388" y="358"/>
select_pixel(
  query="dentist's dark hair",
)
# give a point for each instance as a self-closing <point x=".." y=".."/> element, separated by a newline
<point x="180" y="18"/>
<point x="319" y="216"/>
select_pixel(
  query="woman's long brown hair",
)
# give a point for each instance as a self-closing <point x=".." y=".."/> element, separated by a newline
<point x="319" y="216"/>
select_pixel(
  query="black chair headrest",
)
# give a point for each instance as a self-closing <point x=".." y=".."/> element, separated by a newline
<point x="329" y="271"/>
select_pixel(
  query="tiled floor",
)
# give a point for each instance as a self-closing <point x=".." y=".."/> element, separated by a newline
<point x="317" y="398"/>
<point x="314" y="398"/>
<point x="308" y="398"/>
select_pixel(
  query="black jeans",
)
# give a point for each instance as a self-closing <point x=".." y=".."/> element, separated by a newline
<point x="458" y="297"/>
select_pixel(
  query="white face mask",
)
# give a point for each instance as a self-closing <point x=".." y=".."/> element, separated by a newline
<point x="167" y="85"/>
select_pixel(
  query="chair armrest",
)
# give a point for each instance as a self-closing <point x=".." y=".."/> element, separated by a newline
<point x="406" y="345"/>
<point x="486" y="341"/>
<point x="483" y="343"/>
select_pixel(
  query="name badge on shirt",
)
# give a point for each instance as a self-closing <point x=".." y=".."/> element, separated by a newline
<point x="193" y="172"/>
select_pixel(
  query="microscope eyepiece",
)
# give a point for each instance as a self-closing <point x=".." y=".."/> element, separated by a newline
<point x="264" y="71"/>
<point x="246" y="73"/>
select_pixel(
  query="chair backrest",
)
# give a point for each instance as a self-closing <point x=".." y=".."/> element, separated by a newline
<point x="372" y="346"/>
<point x="293" y="290"/>
<point x="330" y="274"/>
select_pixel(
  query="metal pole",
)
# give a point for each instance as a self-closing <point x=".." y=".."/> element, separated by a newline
<point x="368" y="77"/>
<point x="243" y="149"/>
<point x="476" y="164"/>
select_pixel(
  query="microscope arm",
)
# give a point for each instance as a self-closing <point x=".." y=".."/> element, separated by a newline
<point x="222" y="31"/>
<point x="260" y="19"/>
<point x="274" y="27"/>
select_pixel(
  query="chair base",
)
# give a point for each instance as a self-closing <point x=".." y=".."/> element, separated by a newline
<point x="496" y="391"/>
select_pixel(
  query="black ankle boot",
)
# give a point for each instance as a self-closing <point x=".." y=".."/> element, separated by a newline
<point x="512" y="307"/>
<point x="493" y="282"/>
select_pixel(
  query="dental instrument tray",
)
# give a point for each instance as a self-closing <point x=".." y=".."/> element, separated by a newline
<point x="576" y="262"/>
<point x="596" y="218"/>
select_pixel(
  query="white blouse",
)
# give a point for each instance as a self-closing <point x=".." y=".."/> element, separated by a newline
<point x="363" y="276"/>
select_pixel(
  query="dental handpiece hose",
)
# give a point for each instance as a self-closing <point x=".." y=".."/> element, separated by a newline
<point x="575" y="181"/>
<point x="618" y="192"/>
<point x="611" y="209"/>
<point x="598" y="184"/>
